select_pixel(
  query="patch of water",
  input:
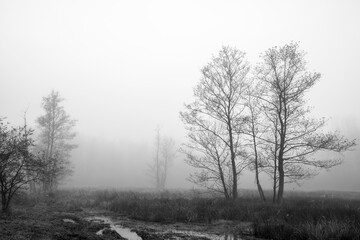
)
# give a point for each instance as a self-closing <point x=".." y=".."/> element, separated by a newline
<point x="126" y="233"/>
<point x="122" y="231"/>
<point x="230" y="237"/>
<point x="69" y="220"/>
<point x="99" y="219"/>
<point x="226" y="236"/>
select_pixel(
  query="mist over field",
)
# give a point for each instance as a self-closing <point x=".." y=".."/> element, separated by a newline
<point x="126" y="67"/>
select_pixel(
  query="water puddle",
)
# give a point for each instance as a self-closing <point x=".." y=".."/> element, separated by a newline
<point x="66" y="220"/>
<point x="122" y="231"/>
<point x="126" y="233"/>
<point x="227" y="236"/>
<point x="174" y="234"/>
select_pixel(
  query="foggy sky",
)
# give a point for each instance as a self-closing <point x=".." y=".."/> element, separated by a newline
<point x="125" y="67"/>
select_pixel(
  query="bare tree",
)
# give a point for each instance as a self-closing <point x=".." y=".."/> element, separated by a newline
<point x="164" y="156"/>
<point x="56" y="132"/>
<point x="17" y="165"/>
<point x="206" y="152"/>
<point x="255" y="130"/>
<point x="218" y="108"/>
<point x="294" y="136"/>
<point x="168" y="154"/>
<point x="155" y="167"/>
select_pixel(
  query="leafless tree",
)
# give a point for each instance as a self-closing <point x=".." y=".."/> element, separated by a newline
<point x="205" y="151"/>
<point x="56" y="132"/>
<point x="294" y="137"/>
<point x="255" y="131"/>
<point x="168" y="154"/>
<point x="218" y="108"/>
<point x="156" y="167"/>
<point x="17" y="165"/>
<point x="164" y="155"/>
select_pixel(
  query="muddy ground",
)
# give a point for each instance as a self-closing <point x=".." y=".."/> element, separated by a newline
<point x="42" y="222"/>
<point x="219" y="230"/>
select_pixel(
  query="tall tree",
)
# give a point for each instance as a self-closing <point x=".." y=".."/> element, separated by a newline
<point x="255" y="130"/>
<point x="17" y="165"/>
<point x="295" y="137"/>
<point x="56" y="132"/>
<point x="218" y="108"/>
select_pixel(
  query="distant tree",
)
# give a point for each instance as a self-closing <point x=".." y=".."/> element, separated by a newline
<point x="293" y="138"/>
<point x="168" y="153"/>
<point x="164" y="156"/>
<point x="156" y="165"/>
<point x="218" y="108"/>
<point x="17" y="165"/>
<point x="56" y="132"/>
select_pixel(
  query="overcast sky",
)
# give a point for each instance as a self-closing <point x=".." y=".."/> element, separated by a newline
<point x="125" y="67"/>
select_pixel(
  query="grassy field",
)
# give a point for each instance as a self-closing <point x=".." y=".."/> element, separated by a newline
<point x="300" y="217"/>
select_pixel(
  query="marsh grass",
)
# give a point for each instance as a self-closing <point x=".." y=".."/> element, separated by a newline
<point x="298" y="218"/>
<point x="329" y="229"/>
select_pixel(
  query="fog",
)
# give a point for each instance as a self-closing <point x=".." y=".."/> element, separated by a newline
<point x="126" y="67"/>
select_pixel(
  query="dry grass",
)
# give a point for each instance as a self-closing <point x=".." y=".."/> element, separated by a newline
<point x="298" y="218"/>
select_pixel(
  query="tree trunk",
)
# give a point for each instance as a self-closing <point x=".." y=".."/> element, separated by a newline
<point x="226" y="193"/>
<point x="274" y="182"/>
<point x="281" y="167"/>
<point x="4" y="209"/>
<point x="261" y="193"/>
<point x="5" y="203"/>
<point x="281" y="181"/>
<point x="234" y="190"/>
<point x="232" y="155"/>
<point x="275" y="174"/>
<point x="283" y="127"/>
<point x="234" y="172"/>
<point x="274" y="191"/>
<point x="275" y="160"/>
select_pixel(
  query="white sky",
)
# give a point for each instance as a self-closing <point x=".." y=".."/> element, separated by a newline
<point x="126" y="66"/>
